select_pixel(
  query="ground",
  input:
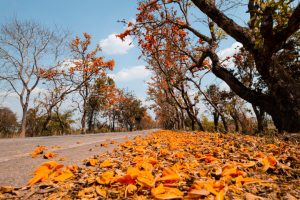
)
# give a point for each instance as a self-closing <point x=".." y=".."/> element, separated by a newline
<point x="174" y="165"/>
<point x="16" y="164"/>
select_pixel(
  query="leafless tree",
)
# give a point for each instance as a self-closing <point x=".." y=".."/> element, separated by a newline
<point x="27" y="48"/>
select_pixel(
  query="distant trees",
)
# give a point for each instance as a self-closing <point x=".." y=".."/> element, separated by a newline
<point x="215" y="99"/>
<point x="271" y="38"/>
<point x="101" y="100"/>
<point x="26" y="49"/>
<point x="8" y="122"/>
<point x="59" y="124"/>
<point x="130" y="111"/>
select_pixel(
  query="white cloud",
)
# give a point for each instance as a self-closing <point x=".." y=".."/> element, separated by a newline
<point x="38" y="90"/>
<point x="112" y="45"/>
<point x="230" y="51"/>
<point x="129" y="74"/>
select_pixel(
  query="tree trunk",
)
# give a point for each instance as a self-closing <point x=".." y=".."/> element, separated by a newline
<point x="224" y="123"/>
<point x="193" y="124"/>
<point x="178" y="121"/>
<point x="286" y="111"/>
<point x="216" y="121"/>
<point x="24" y="118"/>
<point x="83" y="123"/>
<point x="260" y="115"/>
<point x="236" y="121"/>
<point x="113" y="122"/>
<point x="23" y="124"/>
<point x="201" y="128"/>
<point x="90" y="120"/>
<point x="182" y="120"/>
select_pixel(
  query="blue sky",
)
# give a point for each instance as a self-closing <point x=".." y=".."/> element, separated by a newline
<point x="98" y="18"/>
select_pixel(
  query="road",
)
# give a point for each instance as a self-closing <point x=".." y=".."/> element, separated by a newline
<point x="16" y="164"/>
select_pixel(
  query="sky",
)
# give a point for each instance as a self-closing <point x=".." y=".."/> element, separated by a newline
<point x="100" y="19"/>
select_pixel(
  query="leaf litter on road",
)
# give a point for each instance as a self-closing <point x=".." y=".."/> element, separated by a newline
<point x="177" y="165"/>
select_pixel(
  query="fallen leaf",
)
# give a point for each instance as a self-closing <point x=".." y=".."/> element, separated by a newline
<point x="105" y="178"/>
<point x="161" y="192"/>
<point x="106" y="164"/>
<point x="101" y="191"/>
<point x="38" y="150"/>
<point x="92" y="162"/>
<point x="49" y="155"/>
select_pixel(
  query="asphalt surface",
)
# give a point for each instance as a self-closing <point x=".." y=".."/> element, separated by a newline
<point x="17" y="165"/>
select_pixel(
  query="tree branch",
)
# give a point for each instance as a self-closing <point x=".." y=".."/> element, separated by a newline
<point x="247" y="94"/>
<point x="241" y="34"/>
<point x="292" y="27"/>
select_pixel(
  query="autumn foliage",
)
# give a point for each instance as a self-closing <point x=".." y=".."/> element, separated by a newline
<point x="172" y="35"/>
<point x="180" y="165"/>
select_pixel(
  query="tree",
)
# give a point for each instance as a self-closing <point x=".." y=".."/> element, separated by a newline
<point x="216" y="100"/>
<point x="86" y="66"/>
<point x="26" y="48"/>
<point x="102" y="98"/>
<point x="8" y="122"/>
<point x="272" y="34"/>
<point x="248" y="75"/>
<point x="130" y="111"/>
<point x="168" y="114"/>
<point x="146" y="122"/>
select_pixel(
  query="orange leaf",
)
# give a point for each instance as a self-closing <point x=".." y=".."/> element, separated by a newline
<point x="106" y="163"/>
<point x="169" y="176"/>
<point x="161" y="192"/>
<point x="126" y="180"/>
<point x="105" y="178"/>
<point x="38" y="150"/>
<point x="100" y="191"/>
<point x="220" y="195"/>
<point x="64" y="175"/>
<point x="49" y="155"/>
<point x="92" y="162"/>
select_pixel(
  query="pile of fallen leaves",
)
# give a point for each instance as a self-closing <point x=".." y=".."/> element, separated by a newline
<point x="176" y="165"/>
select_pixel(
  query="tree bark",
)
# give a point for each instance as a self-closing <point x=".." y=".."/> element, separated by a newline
<point x="90" y="121"/>
<point x="216" y="121"/>
<point x="192" y="123"/>
<point x="83" y="122"/>
<point x="259" y="113"/>
<point x="235" y="121"/>
<point x="224" y="123"/>
<point x="23" y="122"/>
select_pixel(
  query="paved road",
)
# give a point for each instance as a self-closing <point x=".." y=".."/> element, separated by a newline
<point x="16" y="164"/>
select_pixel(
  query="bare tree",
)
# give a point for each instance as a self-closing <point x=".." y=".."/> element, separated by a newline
<point x="26" y="49"/>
